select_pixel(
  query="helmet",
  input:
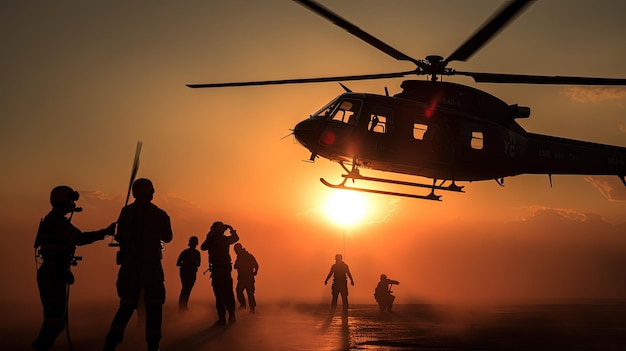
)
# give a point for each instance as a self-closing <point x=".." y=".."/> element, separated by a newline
<point x="218" y="227"/>
<point x="193" y="240"/>
<point x="62" y="194"/>
<point x="142" y="186"/>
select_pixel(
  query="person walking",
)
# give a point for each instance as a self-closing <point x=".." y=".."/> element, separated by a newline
<point x="142" y="226"/>
<point x="247" y="268"/>
<point x="188" y="261"/>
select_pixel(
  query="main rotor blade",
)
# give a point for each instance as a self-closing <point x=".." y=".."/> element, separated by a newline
<point x="488" y="30"/>
<point x="532" y="79"/>
<point x="356" y="31"/>
<point x="304" y="80"/>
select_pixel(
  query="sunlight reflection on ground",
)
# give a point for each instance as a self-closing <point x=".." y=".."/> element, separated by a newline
<point x="363" y="327"/>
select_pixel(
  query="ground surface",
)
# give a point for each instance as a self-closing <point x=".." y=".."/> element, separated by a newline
<point x="597" y="326"/>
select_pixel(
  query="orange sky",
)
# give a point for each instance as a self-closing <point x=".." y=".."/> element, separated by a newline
<point x="82" y="83"/>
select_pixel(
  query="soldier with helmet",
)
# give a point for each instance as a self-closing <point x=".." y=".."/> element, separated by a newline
<point x="142" y="226"/>
<point x="247" y="268"/>
<point x="56" y="240"/>
<point x="340" y="273"/>
<point x="188" y="261"/>
<point x="217" y="243"/>
<point x="382" y="293"/>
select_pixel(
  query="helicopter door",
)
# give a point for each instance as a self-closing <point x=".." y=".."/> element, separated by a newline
<point x="471" y="137"/>
<point x="470" y="144"/>
<point x="379" y="133"/>
<point x="377" y="124"/>
<point x="430" y="141"/>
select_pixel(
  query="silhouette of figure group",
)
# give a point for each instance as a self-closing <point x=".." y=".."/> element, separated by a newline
<point x="142" y="227"/>
<point x="341" y="272"/>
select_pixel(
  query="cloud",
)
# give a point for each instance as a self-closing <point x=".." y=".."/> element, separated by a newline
<point x="391" y="208"/>
<point x="594" y="94"/>
<point x="610" y="187"/>
<point x="559" y="214"/>
<point x="312" y="214"/>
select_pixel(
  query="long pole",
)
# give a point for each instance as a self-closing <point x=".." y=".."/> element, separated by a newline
<point x="133" y="172"/>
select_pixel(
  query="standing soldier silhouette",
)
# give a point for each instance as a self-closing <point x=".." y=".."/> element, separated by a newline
<point x="247" y="267"/>
<point x="340" y="272"/>
<point x="220" y="265"/>
<point x="141" y="228"/>
<point x="188" y="261"/>
<point x="57" y="239"/>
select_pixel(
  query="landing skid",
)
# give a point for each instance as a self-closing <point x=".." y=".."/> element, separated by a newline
<point x="343" y="186"/>
<point x="355" y="175"/>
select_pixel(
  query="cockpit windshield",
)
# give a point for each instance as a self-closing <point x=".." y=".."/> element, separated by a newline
<point x="325" y="111"/>
<point x="346" y="112"/>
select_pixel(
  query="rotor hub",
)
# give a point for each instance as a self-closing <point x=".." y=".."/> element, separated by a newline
<point x="434" y="59"/>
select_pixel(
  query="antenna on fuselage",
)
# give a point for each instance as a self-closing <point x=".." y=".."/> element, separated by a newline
<point x="345" y="87"/>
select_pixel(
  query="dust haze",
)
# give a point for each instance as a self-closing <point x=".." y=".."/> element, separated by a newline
<point x="549" y="254"/>
<point x="455" y="276"/>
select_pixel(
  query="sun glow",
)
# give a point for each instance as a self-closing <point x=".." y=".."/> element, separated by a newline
<point x="346" y="207"/>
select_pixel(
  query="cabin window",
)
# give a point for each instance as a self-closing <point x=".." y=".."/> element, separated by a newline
<point x="347" y="112"/>
<point x="419" y="130"/>
<point x="377" y="124"/>
<point x="472" y="135"/>
<point x="477" y="140"/>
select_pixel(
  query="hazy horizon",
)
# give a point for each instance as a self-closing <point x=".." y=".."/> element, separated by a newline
<point x="84" y="81"/>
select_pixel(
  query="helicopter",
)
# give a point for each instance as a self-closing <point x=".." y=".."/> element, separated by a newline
<point x="443" y="131"/>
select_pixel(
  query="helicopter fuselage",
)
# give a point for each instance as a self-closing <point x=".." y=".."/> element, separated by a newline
<point x="440" y="130"/>
<point x="446" y="131"/>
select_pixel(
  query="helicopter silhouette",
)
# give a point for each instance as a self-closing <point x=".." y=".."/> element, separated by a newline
<point x="443" y="131"/>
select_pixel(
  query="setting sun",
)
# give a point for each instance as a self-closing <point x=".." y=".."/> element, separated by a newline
<point x="346" y="207"/>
